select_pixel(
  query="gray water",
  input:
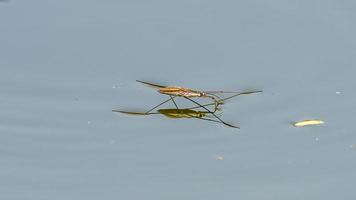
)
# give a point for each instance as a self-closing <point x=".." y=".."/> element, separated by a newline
<point x="66" y="64"/>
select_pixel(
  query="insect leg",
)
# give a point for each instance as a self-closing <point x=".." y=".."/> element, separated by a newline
<point x="242" y="93"/>
<point x="227" y="98"/>
<point x="216" y="102"/>
<point x="211" y="113"/>
<point x="160" y="104"/>
<point x="214" y="121"/>
<point x="174" y="101"/>
<point x="151" y="84"/>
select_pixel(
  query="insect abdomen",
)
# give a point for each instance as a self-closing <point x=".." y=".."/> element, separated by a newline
<point x="178" y="91"/>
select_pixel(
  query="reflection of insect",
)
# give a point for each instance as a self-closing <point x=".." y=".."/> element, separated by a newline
<point x="176" y="114"/>
<point x="189" y="112"/>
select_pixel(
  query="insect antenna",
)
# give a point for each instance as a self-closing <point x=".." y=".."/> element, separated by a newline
<point x="213" y="95"/>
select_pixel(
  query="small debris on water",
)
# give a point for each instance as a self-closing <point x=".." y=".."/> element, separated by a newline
<point x="291" y="161"/>
<point x="89" y="122"/>
<point x="337" y="92"/>
<point x="317" y="139"/>
<point x="117" y="86"/>
<point x="353" y="146"/>
<point x="219" y="158"/>
<point x="308" y="122"/>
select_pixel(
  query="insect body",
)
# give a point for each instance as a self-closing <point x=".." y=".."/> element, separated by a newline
<point x="180" y="91"/>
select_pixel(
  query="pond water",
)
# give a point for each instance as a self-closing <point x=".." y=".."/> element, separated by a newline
<point x="66" y="64"/>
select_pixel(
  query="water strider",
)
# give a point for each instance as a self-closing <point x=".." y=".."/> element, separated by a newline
<point x="189" y="112"/>
<point x="187" y="93"/>
<point x="183" y="92"/>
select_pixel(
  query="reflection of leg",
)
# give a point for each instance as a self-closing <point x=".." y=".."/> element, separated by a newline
<point x="174" y="101"/>
<point x="135" y="113"/>
<point x="205" y="105"/>
<point x="214" y="121"/>
<point x="211" y="113"/>
<point x="160" y="104"/>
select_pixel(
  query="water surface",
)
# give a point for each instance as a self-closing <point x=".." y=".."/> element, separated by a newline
<point x="66" y="64"/>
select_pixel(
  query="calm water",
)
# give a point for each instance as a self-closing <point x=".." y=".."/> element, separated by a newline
<point x="66" y="64"/>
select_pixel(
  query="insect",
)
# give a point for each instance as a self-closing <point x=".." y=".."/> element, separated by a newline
<point x="189" y="112"/>
<point x="177" y="91"/>
<point x="174" y="91"/>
